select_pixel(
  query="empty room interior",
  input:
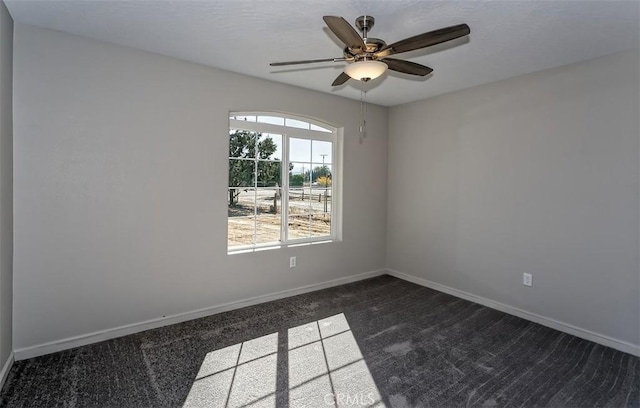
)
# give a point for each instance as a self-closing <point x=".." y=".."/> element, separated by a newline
<point x="319" y="203"/>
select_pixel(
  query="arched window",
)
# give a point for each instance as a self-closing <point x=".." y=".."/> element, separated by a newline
<point x="283" y="181"/>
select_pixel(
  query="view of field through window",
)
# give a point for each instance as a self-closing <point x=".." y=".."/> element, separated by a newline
<point x="256" y="194"/>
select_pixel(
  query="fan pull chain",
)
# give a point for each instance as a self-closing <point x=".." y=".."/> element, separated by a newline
<point x="363" y="115"/>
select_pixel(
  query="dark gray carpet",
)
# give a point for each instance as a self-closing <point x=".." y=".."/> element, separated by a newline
<point x="379" y="342"/>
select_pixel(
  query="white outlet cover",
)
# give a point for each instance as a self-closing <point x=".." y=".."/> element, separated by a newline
<point x="527" y="279"/>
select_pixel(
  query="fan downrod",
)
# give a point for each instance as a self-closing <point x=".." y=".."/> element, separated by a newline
<point x="365" y="24"/>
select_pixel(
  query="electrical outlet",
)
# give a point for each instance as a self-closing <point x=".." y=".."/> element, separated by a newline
<point x="292" y="262"/>
<point x="527" y="279"/>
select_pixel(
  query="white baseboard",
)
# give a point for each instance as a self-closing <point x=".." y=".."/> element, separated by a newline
<point x="6" y="368"/>
<point x="95" y="337"/>
<point x="536" y="318"/>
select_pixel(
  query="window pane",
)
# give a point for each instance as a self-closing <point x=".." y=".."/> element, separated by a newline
<point x="241" y="173"/>
<point x="268" y="201"/>
<point x="246" y="118"/>
<point x="296" y="180"/>
<point x="240" y="231"/>
<point x="300" y="202"/>
<point x="297" y="124"/>
<point x="299" y="150"/>
<point x="299" y="188"/>
<point x="321" y="175"/>
<point x="274" y="120"/>
<point x="269" y="174"/>
<point x="241" y="201"/>
<point x="321" y="129"/>
<point x="321" y="198"/>
<point x="270" y="146"/>
<point x="269" y="219"/>
<point x="321" y="152"/>
<point x="317" y="197"/>
<point x="242" y="143"/>
<point x="299" y="174"/>
<point x="241" y="222"/>
<point x="320" y="225"/>
<point x="298" y="226"/>
<point x="268" y="227"/>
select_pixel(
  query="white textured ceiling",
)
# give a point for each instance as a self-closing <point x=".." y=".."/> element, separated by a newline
<point x="508" y="38"/>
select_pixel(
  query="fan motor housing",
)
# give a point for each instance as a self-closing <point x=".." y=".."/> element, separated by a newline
<point x="373" y="45"/>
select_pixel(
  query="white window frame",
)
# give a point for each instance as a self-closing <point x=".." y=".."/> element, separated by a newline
<point x="335" y="136"/>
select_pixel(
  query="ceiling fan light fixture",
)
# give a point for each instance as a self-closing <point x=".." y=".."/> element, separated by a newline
<point x="368" y="57"/>
<point x="365" y="70"/>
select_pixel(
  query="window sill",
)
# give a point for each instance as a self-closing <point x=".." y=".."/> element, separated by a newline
<point x="268" y="247"/>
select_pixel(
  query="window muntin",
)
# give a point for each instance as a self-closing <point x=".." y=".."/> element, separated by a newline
<point x="281" y="181"/>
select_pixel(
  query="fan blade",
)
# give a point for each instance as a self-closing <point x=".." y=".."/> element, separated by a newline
<point x="407" y="67"/>
<point x="341" y="79"/>
<point x="343" y="30"/>
<point x="279" y="64"/>
<point x="425" y="40"/>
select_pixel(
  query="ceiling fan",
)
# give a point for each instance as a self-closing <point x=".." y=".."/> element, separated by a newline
<point x="368" y="57"/>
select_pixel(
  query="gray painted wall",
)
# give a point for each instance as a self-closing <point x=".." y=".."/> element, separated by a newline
<point x="6" y="183"/>
<point x="536" y="174"/>
<point x="120" y="192"/>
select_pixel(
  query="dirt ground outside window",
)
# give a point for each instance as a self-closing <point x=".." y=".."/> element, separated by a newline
<point x="309" y="215"/>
